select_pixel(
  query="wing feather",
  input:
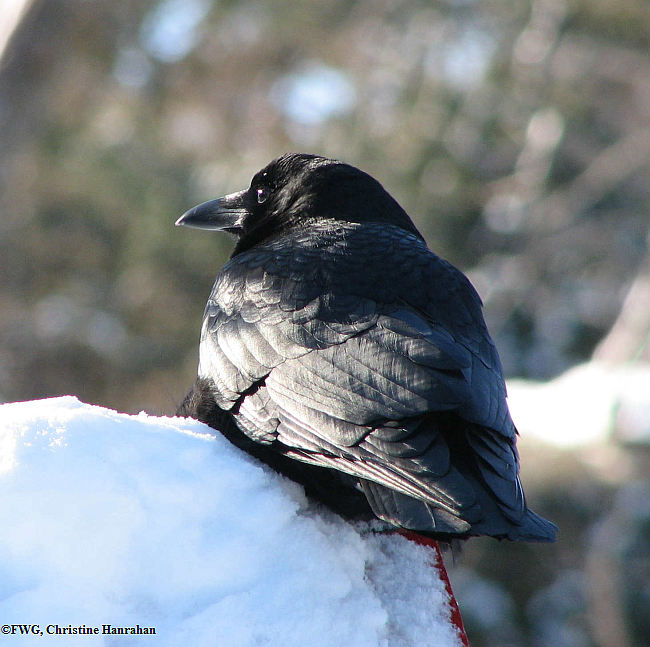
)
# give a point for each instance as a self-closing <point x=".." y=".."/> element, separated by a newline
<point x="351" y="377"/>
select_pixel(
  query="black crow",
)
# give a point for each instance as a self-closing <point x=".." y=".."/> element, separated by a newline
<point x="337" y="348"/>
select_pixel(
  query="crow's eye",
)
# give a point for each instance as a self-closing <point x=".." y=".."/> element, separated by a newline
<point x="262" y="194"/>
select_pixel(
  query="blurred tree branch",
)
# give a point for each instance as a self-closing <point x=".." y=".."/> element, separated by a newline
<point x="629" y="338"/>
<point x="10" y="16"/>
<point x="609" y="168"/>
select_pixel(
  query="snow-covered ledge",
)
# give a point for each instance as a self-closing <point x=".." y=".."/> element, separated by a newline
<point x="144" y="523"/>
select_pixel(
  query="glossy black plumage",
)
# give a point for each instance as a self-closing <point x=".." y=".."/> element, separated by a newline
<point x="340" y="350"/>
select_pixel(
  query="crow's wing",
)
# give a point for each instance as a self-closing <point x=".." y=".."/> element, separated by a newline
<point x="385" y="292"/>
<point x="346" y="358"/>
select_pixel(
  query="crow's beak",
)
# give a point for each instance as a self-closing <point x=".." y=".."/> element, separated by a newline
<point x="223" y="214"/>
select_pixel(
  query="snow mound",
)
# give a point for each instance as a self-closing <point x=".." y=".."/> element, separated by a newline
<point x="145" y="522"/>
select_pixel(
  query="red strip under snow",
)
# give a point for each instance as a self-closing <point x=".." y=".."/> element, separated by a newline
<point x="456" y="618"/>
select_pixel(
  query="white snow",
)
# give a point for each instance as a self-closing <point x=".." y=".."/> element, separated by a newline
<point x="591" y="403"/>
<point x="125" y="520"/>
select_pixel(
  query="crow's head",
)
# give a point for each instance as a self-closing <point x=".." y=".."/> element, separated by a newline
<point x="295" y="191"/>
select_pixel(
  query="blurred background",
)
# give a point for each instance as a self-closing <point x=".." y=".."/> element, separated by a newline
<point x="515" y="132"/>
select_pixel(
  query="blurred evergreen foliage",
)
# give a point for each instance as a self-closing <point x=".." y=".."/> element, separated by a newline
<point x="516" y="133"/>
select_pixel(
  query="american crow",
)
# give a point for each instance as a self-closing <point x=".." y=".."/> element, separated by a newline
<point x="337" y="348"/>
